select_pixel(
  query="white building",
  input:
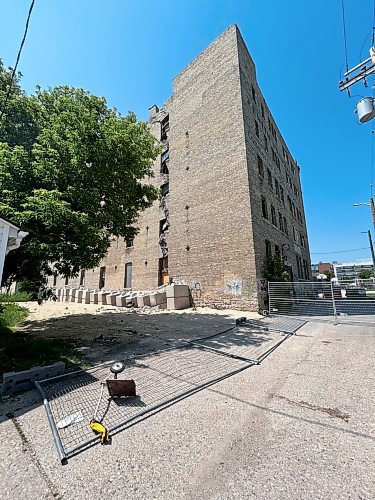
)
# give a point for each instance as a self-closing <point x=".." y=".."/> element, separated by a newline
<point x="348" y="271"/>
<point x="10" y="239"/>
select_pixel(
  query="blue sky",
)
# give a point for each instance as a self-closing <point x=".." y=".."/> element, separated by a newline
<point x="129" y="52"/>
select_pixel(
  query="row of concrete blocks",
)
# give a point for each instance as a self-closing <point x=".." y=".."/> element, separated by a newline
<point x="172" y="297"/>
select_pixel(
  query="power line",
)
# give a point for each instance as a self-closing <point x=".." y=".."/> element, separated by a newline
<point x="344" y="31"/>
<point x="2" y="112"/>
<point x="340" y="251"/>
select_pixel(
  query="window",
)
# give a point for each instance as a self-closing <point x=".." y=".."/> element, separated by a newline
<point x="164" y="162"/>
<point x="281" y="222"/>
<point x="265" y="142"/>
<point x="282" y="195"/>
<point x="295" y="190"/>
<point x="294" y="234"/>
<point x="290" y="204"/>
<point x="165" y="189"/>
<point x="294" y="209"/>
<point x="262" y="110"/>
<point x="165" y="128"/>
<point x="277" y="251"/>
<point x="129" y="242"/>
<point x="102" y="277"/>
<point x="268" y="248"/>
<point x="303" y="240"/>
<point x="260" y="166"/>
<point x="54" y="279"/>
<point x="306" y="269"/>
<point x="82" y="278"/>
<point x="273" y="216"/>
<point x="277" y="188"/>
<point x="264" y="208"/>
<point x="256" y="128"/>
<point x="299" y="266"/>
<point x="128" y="275"/>
<point x="285" y="227"/>
<point x="269" y="175"/>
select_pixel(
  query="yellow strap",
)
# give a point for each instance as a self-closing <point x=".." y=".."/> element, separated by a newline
<point x="99" y="428"/>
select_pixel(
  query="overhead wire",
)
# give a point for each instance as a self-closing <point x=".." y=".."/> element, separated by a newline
<point x="344" y="32"/>
<point x="7" y="95"/>
<point x="340" y="251"/>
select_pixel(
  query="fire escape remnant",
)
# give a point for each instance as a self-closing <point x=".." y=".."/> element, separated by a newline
<point x="164" y="171"/>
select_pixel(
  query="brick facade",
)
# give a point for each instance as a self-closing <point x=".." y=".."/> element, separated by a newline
<point x="226" y="154"/>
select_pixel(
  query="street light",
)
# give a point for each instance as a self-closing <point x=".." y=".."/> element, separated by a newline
<point x="371" y="205"/>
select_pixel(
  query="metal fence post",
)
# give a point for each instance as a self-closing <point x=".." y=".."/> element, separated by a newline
<point x="269" y="298"/>
<point x="334" y="304"/>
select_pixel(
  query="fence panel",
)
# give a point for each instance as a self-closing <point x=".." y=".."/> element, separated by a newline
<point x="341" y="302"/>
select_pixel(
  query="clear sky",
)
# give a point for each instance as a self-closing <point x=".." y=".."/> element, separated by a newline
<point x="129" y="51"/>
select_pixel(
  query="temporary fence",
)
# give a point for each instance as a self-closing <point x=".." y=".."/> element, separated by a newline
<point x="161" y="379"/>
<point x="340" y="302"/>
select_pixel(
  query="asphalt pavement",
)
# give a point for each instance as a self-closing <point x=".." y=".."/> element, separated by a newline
<point x="298" y="426"/>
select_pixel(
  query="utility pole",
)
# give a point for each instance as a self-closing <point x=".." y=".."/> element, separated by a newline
<point x="371" y="248"/>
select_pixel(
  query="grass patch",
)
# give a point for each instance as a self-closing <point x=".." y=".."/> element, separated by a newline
<point x="20" y="351"/>
<point x="11" y="315"/>
<point x="15" y="297"/>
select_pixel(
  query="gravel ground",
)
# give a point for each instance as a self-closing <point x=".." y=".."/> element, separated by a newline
<point x="298" y="426"/>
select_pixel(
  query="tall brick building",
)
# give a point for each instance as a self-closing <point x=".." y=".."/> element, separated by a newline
<point x="231" y="191"/>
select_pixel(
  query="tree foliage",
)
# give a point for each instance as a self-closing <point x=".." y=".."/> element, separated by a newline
<point x="365" y="274"/>
<point x="274" y="269"/>
<point x="73" y="173"/>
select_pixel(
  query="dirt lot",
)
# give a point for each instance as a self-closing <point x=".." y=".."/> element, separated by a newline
<point x="104" y="332"/>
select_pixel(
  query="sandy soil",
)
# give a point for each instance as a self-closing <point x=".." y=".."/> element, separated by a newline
<point x="105" y="332"/>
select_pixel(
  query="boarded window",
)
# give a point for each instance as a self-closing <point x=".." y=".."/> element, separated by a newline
<point x="102" y="277"/>
<point x="260" y="166"/>
<point x="264" y="208"/>
<point x="82" y="278"/>
<point x="273" y="216"/>
<point x="128" y="275"/>
<point x="268" y="248"/>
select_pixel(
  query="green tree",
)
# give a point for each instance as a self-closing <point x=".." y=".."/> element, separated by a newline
<point x="328" y="274"/>
<point x="365" y="274"/>
<point x="73" y="173"/>
<point x="274" y="269"/>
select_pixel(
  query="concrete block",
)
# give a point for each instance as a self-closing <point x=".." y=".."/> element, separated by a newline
<point x="157" y="298"/>
<point x="178" y="303"/>
<point x="93" y="297"/>
<point x="177" y="291"/>
<point x="120" y="300"/>
<point x="73" y="294"/>
<point x="111" y="298"/>
<point x="23" y="381"/>
<point x="86" y="297"/>
<point x="79" y="296"/>
<point x="102" y="297"/>
<point x="58" y="292"/>
<point x="143" y="300"/>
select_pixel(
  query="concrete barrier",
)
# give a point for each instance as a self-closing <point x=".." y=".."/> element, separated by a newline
<point x="94" y="297"/>
<point x="23" y="381"/>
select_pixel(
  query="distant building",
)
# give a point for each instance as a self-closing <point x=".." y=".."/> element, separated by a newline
<point x="348" y="271"/>
<point x="321" y="268"/>
<point x="231" y="193"/>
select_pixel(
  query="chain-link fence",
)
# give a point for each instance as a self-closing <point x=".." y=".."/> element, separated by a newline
<point x="341" y="302"/>
<point x="162" y="378"/>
